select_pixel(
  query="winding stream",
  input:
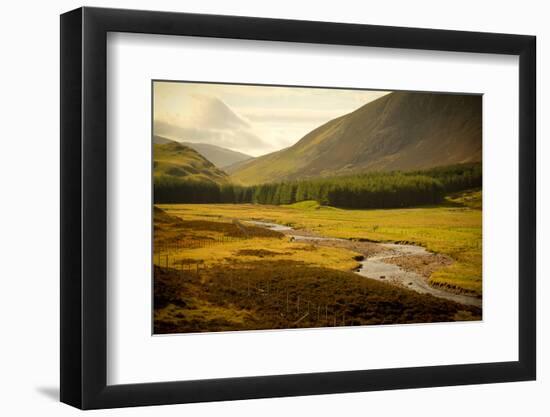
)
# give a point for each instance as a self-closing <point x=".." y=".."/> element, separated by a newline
<point x="374" y="266"/>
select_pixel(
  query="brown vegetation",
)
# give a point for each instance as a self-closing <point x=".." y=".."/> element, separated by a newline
<point x="277" y="295"/>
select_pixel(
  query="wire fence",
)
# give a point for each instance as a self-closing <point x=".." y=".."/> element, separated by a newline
<point x="196" y="243"/>
<point x="281" y="300"/>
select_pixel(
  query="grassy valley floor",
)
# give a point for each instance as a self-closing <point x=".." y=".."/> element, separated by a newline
<point x="215" y="272"/>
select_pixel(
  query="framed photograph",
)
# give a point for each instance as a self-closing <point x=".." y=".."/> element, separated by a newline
<point x="256" y="208"/>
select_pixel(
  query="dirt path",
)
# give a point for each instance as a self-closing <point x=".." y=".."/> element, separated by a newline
<point x="407" y="266"/>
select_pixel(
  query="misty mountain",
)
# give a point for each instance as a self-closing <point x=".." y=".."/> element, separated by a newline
<point x="399" y="131"/>
<point x="221" y="157"/>
<point x="205" y="119"/>
<point x="161" y="140"/>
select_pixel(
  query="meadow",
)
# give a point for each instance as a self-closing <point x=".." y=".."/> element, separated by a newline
<point x="453" y="229"/>
<point x="215" y="272"/>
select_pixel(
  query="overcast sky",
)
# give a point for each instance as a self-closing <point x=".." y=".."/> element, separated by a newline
<point x="252" y="119"/>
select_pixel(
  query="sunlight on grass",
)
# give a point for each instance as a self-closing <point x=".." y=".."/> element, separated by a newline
<point x="281" y="249"/>
<point x="453" y="231"/>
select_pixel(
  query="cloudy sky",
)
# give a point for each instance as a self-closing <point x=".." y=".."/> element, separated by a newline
<point x="252" y="119"/>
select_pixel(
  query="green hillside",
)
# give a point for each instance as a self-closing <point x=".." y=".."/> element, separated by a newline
<point x="220" y="157"/>
<point x="180" y="162"/>
<point x="182" y="174"/>
<point x="399" y="131"/>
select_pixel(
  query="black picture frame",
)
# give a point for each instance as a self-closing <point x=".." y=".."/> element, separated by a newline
<point x="84" y="207"/>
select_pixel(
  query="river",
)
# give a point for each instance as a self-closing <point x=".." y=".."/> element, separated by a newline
<point x="376" y="266"/>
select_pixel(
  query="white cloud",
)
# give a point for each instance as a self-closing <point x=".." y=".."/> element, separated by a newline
<point x="250" y="119"/>
<point x="206" y="119"/>
<point x="200" y="110"/>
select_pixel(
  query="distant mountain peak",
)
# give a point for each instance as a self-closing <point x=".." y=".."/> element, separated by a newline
<point x="199" y="118"/>
<point x="219" y="156"/>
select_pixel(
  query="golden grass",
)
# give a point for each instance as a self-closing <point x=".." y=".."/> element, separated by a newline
<point x="282" y="249"/>
<point x="453" y="231"/>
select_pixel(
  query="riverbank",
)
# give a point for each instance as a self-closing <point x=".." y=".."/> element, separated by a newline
<point x="385" y="261"/>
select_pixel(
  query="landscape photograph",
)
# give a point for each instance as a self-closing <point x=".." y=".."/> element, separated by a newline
<point x="278" y="207"/>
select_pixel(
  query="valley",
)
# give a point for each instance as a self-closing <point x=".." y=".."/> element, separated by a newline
<point x="372" y="217"/>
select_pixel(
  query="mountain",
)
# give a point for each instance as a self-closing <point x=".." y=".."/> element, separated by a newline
<point x="161" y="140"/>
<point x="202" y="118"/>
<point x="179" y="162"/>
<point x="221" y="157"/>
<point x="230" y="169"/>
<point x="399" y="131"/>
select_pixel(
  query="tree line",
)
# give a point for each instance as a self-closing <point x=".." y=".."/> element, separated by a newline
<point x="367" y="190"/>
<point x="456" y="177"/>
